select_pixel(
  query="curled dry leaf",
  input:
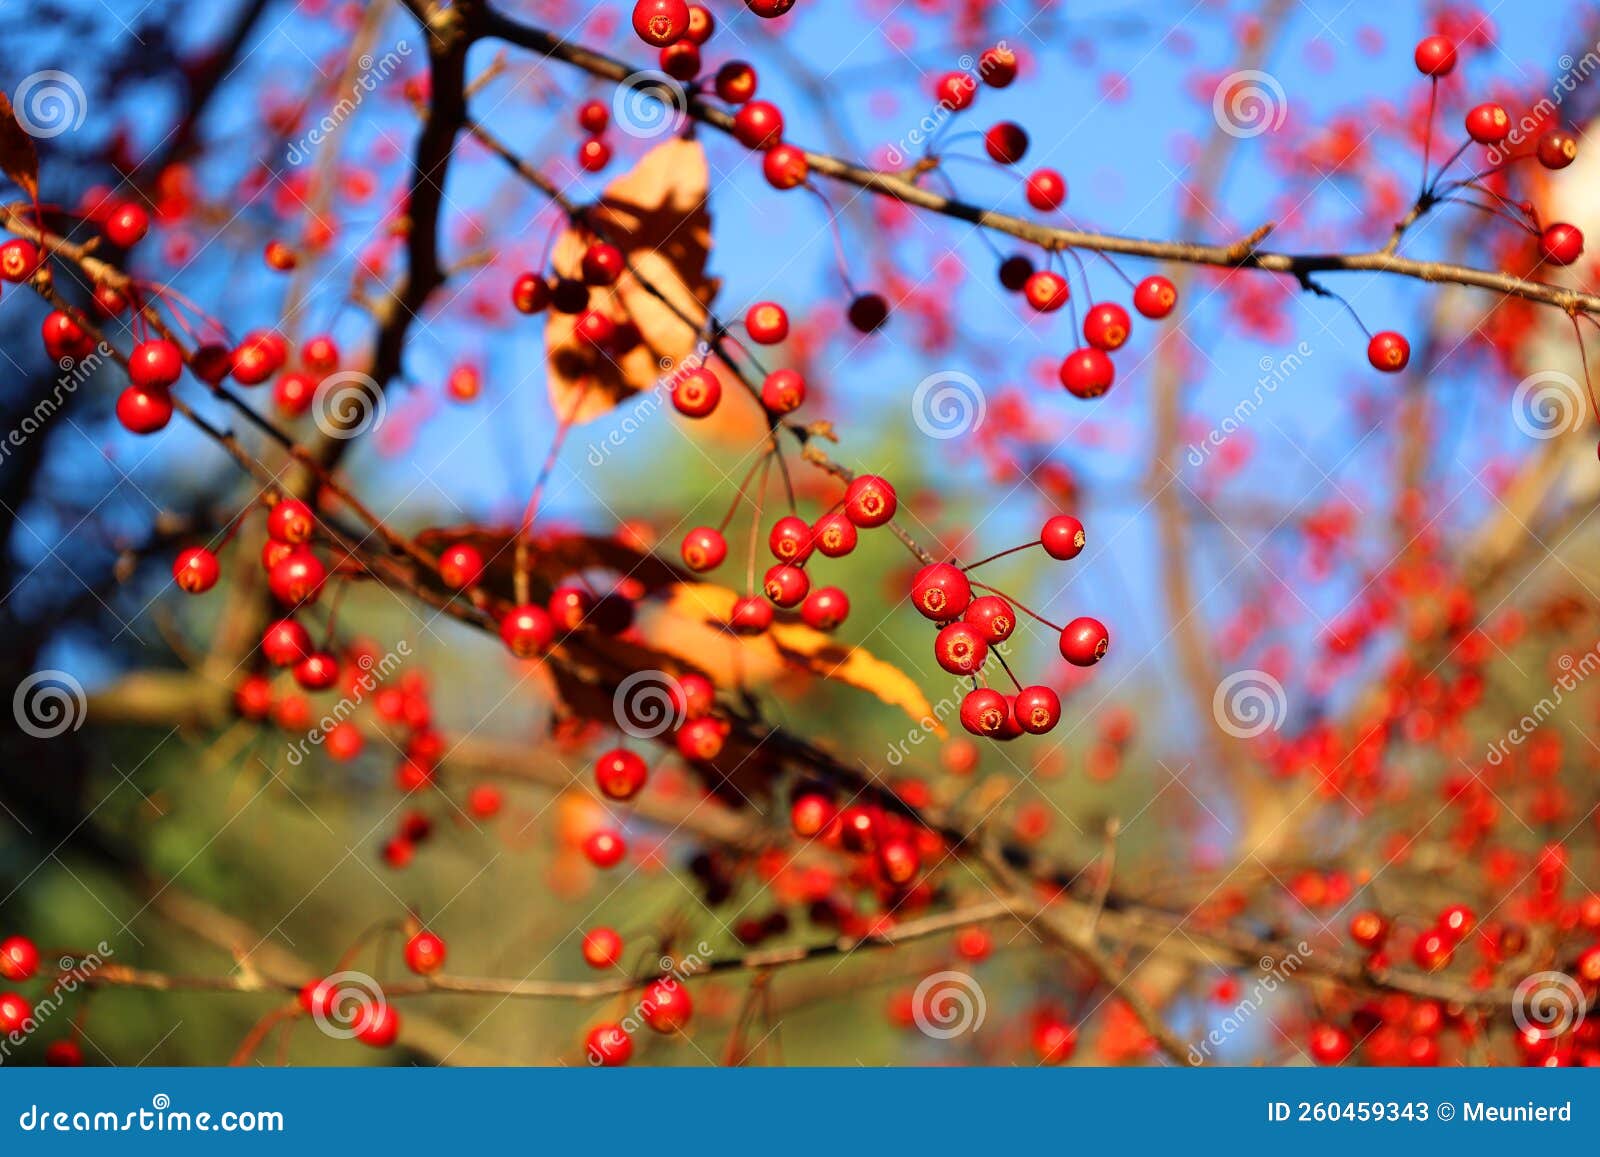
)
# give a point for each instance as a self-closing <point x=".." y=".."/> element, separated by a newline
<point x="657" y="215"/>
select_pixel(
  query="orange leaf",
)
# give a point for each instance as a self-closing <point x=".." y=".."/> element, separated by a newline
<point x="656" y="214"/>
<point x="18" y="157"/>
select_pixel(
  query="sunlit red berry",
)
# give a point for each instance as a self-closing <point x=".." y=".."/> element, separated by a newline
<point x="527" y="631"/>
<point x="1036" y="709"/>
<point x="758" y="125"/>
<point x="992" y="617"/>
<point x="984" y="711"/>
<point x="460" y="566"/>
<point x="960" y="649"/>
<point x="697" y="393"/>
<point x="1084" y="641"/>
<point x="19" y="959"/>
<point x="604" y="849"/>
<point x="786" y="585"/>
<point x="1388" y="351"/>
<point x="767" y="323"/>
<point x="1087" y="372"/>
<point x="704" y="548"/>
<point x="665" y="1005"/>
<point x="144" y="411"/>
<point x="1105" y="326"/>
<point x="785" y="166"/>
<point x="783" y="391"/>
<point x="425" y="953"/>
<point x="1557" y="149"/>
<point x="735" y="82"/>
<point x="1561" y="244"/>
<point x="940" y="592"/>
<point x="1047" y="191"/>
<point x="1006" y="142"/>
<point x="1488" y="124"/>
<point x="608" y="1046"/>
<point x="620" y="773"/>
<point x="196" y="570"/>
<point x="1062" y="537"/>
<point x="602" y="948"/>
<point x="870" y="501"/>
<point x="1435" y="56"/>
<point x="660" y="22"/>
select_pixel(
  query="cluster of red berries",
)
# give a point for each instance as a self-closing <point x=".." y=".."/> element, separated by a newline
<point x="19" y="963"/>
<point x="664" y="1005"/>
<point x="892" y="846"/>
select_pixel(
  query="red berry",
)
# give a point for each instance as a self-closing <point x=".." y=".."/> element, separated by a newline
<point x="63" y="1054"/>
<point x="212" y="363"/>
<point x="1457" y="920"/>
<point x="20" y="259"/>
<point x="15" y="1014"/>
<point x="660" y="22"/>
<point x="898" y="861"/>
<point x="1006" y="142"/>
<point x="593" y="155"/>
<point x="64" y="338"/>
<point x="285" y="643"/>
<point x="379" y="1026"/>
<point x="253" y="699"/>
<point x="997" y="66"/>
<point x="1036" y="709"/>
<point x="1087" y="372"/>
<point x="1368" y="929"/>
<point x="608" y="1046"/>
<point x="260" y="355"/>
<point x="666" y="1006"/>
<point x="960" y="649"/>
<point x="595" y="328"/>
<point x="593" y="116"/>
<point x="1557" y="149"/>
<point x="697" y="393"/>
<point x="786" y="585"/>
<point x="620" y="773"/>
<point x="811" y="815"/>
<point x="954" y="90"/>
<point x="858" y="828"/>
<point x="984" y="711"/>
<point x="1330" y="1044"/>
<point x="869" y="501"/>
<point x="825" y="609"/>
<point x="1054" y="1041"/>
<point x="868" y="312"/>
<point x="280" y="257"/>
<point x="681" y="60"/>
<point x="696" y="694"/>
<point x="19" y="959"/>
<point x="1084" y="642"/>
<point x="735" y="82"/>
<point x="769" y="9"/>
<point x="317" y="671"/>
<point x="701" y="740"/>
<point x="570" y="606"/>
<point x="291" y="521"/>
<point x="1561" y="244"/>
<point x="1105" y="326"/>
<point x="1435" y="56"/>
<point x="601" y="264"/>
<point x="460" y="566"/>
<point x="530" y="293"/>
<point x="1046" y="190"/>
<point x="196" y="570"/>
<point x="785" y="166"/>
<point x="1046" y="291"/>
<point x="758" y="125"/>
<point x="1432" y="951"/>
<point x="704" y="549"/>
<point x="1155" y="296"/>
<point x="783" y="391"/>
<point x="155" y="364"/>
<point x="605" y="849"/>
<point x="750" y="615"/>
<point x="767" y="323"/>
<point x="835" y="535"/>
<point x="602" y="948"/>
<point x="425" y="953"/>
<point x="992" y="617"/>
<point x="1488" y="124"/>
<point x="127" y="225"/>
<point x="701" y="24"/>
<point x="940" y="592"/>
<point x="1388" y="351"/>
<point x="790" y="539"/>
<point x="1062" y="537"/>
<point x="527" y="631"/>
<point x="297" y="577"/>
<point x="484" y="800"/>
<point x="144" y="411"/>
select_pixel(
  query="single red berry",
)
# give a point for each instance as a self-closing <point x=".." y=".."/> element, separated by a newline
<point x="608" y="1046"/>
<point x="260" y="355"/>
<point x="1084" y="642"/>
<point x="997" y="66"/>
<point x="108" y="302"/>
<point x="460" y="566"/>
<point x="320" y="354"/>
<point x="253" y="699"/>
<point x="835" y="535"/>
<point x="602" y="948"/>
<point x="665" y="1005"/>
<point x="15" y="1013"/>
<point x="1155" y="296"/>
<point x="196" y="570"/>
<point x="992" y="617"/>
<point x="527" y="631"/>
<point x="1561" y="244"/>
<point x="954" y="90"/>
<point x="1046" y="291"/>
<point x="379" y="1025"/>
<point x="605" y="849"/>
<point x="825" y="609"/>
<point x="785" y="166"/>
<point x="1106" y="326"/>
<point x="1388" y="351"/>
<point x="786" y="585"/>
<point x="127" y="225"/>
<point x="20" y="259"/>
<point x="318" y="671"/>
<point x="984" y="711"/>
<point x="484" y="800"/>
<point x="593" y="116"/>
<point x="1330" y="1044"/>
<point x="1054" y="1041"/>
<point x="769" y="9"/>
<point x="285" y="643"/>
<point x="811" y="815"/>
<point x="868" y="312"/>
<point x="758" y="125"/>
<point x="750" y="615"/>
<point x="697" y="393"/>
<point x="280" y="257"/>
<point x="63" y="1054"/>
<point x="212" y="363"/>
<point x="595" y="328"/>
<point x="19" y="959"/>
<point x="681" y="60"/>
<point x="297" y="577"/>
<point x="1557" y="149"/>
<point x="702" y="24"/>
<point x="601" y="264"/>
<point x="155" y="364"/>
<point x="593" y="155"/>
<point x="1087" y="372"/>
<point x="660" y="22"/>
<point x="1047" y="191"/>
<point x="858" y="828"/>
<point x="1006" y="142"/>
<point x="620" y="773"/>
<point x="1062" y="537"/>
<point x="1432" y="951"/>
<point x="291" y="520"/>
<point x="869" y="501"/>
<point x="530" y="293"/>
<point x="1488" y="124"/>
<point x="940" y="592"/>
<point x="767" y="323"/>
<point x="735" y="82"/>
<point x="570" y="606"/>
<point x="64" y="338"/>
<point x="701" y="740"/>
<point x="1369" y="929"/>
<point x="695" y="695"/>
<point x="704" y="549"/>
<point x="425" y="953"/>
<point x="1457" y="920"/>
<point x="1015" y="271"/>
<point x="783" y="391"/>
<point x="144" y="411"/>
<point x="1036" y="709"/>
<point x="898" y="861"/>
<point x="960" y="649"/>
<point x="790" y="539"/>
<point x="1435" y="56"/>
